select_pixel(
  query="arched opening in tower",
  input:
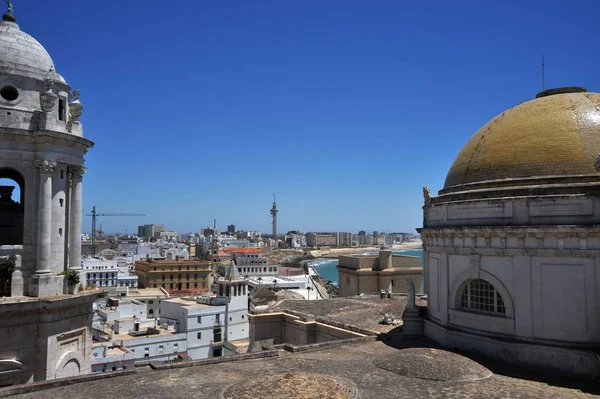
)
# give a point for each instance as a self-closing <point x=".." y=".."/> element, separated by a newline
<point x="12" y="207"/>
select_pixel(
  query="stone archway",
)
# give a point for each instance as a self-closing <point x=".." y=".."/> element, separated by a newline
<point x="69" y="365"/>
<point x="11" y="212"/>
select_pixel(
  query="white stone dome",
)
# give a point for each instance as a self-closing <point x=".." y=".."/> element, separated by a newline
<point x="21" y="54"/>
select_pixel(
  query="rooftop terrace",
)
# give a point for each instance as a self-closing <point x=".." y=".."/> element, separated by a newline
<point x="389" y="367"/>
<point x="353" y="370"/>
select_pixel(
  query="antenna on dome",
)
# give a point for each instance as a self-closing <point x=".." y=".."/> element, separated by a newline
<point x="543" y="75"/>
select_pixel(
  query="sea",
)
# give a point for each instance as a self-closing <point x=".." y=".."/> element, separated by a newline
<point x="327" y="267"/>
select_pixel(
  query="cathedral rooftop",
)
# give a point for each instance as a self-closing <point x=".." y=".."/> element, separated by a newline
<point x="363" y="369"/>
<point x="552" y="139"/>
<point x="389" y="366"/>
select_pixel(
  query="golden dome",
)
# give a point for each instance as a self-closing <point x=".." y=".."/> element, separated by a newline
<point x="557" y="134"/>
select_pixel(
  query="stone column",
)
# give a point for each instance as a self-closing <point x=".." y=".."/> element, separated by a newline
<point x="44" y="241"/>
<point x="76" y="174"/>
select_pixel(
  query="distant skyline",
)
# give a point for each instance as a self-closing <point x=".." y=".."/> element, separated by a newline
<point x="345" y="110"/>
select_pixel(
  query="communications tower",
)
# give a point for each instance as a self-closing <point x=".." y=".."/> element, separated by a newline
<point x="274" y="211"/>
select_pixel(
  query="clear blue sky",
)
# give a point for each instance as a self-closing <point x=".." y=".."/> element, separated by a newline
<point x="345" y="109"/>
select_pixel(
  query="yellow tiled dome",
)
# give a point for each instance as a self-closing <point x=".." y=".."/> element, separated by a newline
<point x="557" y="134"/>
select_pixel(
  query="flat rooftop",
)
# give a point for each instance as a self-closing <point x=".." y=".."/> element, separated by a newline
<point x="361" y="311"/>
<point x="172" y="262"/>
<point x="143" y="292"/>
<point x="192" y="304"/>
<point x="125" y="336"/>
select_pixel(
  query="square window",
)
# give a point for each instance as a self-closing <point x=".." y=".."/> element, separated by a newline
<point x="199" y="319"/>
<point x="199" y="335"/>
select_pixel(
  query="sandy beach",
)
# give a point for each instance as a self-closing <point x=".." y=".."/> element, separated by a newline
<point x="334" y="252"/>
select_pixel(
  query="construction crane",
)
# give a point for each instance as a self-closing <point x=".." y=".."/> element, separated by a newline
<point x="95" y="215"/>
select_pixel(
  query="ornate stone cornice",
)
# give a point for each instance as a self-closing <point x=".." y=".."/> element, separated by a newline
<point x="45" y="165"/>
<point x="502" y="238"/>
<point x="530" y="252"/>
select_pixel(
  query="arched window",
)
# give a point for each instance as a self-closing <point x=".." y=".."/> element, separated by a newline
<point x="481" y="296"/>
<point x="12" y="206"/>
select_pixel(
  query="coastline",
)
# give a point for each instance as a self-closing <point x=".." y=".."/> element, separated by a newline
<point x="325" y="265"/>
<point x="335" y="252"/>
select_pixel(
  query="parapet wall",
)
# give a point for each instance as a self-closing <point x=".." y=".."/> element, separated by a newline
<point x="271" y="329"/>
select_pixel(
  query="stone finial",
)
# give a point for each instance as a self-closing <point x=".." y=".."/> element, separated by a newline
<point x="427" y="195"/>
<point x="75" y="108"/>
<point x="45" y="165"/>
<point x="48" y="98"/>
<point x="49" y="84"/>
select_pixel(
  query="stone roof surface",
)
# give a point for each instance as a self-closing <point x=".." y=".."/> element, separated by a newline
<point x="347" y="370"/>
<point x="364" y="312"/>
<point x="549" y="136"/>
<point x="21" y="54"/>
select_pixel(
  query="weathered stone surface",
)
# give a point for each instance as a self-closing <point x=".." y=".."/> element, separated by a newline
<point x="364" y="312"/>
<point x="352" y="361"/>
<point x="293" y="385"/>
<point x="433" y="364"/>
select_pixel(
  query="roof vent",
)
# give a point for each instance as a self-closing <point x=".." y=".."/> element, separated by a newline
<point x="561" y="90"/>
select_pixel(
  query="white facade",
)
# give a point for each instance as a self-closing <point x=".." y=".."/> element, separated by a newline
<point x="108" y="273"/>
<point x="109" y="356"/>
<point x="250" y="262"/>
<point x="151" y="297"/>
<point x="295" y="241"/>
<point x="100" y="272"/>
<point x="210" y="322"/>
<point x="264" y="271"/>
<point x="198" y="326"/>
<point x="156" y="347"/>
<point x="160" y="250"/>
<point x="169" y="236"/>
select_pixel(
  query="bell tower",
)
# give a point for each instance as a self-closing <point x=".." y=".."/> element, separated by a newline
<point x="41" y="229"/>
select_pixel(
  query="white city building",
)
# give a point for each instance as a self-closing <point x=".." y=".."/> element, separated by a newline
<point x="201" y="327"/>
<point x="113" y="274"/>
<point x="100" y="272"/>
<point x="211" y="321"/>
<point x="251" y="262"/>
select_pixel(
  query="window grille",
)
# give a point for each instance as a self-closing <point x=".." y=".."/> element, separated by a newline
<point x="481" y="296"/>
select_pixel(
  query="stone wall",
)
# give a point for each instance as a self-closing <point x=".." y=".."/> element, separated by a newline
<point x="371" y="274"/>
<point x="281" y="328"/>
<point x="359" y="262"/>
<point x="48" y="338"/>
